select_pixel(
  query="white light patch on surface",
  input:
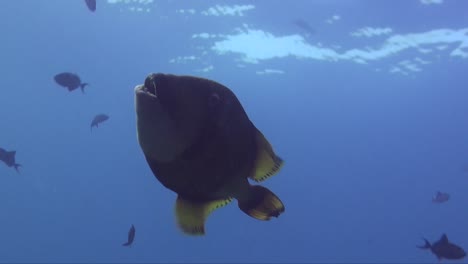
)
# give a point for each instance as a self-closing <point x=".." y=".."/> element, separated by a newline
<point x="371" y="32"/>
<point x="224" y="10"/>
<point x="255" y="45"/>
<point x="186" y="11"/>
<point x="206" y="69"/>
<point x="397" y="70"/>
<point x="206" y="35"/>
<point x="333" y="19"/>
<point x="183" y="59"/>
<point x="421" y="61"/>
<point x="142" y="2"/>
<point x="431" y="2"/>
<point x="269" y="71"/>
<point x="133" y="5"/>
<point x="409" y="65"/>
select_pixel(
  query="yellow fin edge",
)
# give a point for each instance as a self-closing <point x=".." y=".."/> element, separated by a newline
<point x="267" y="163"/>
<point x="191" y="216"/>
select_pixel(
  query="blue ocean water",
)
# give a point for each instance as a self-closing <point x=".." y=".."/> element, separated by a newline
<point x="366" y="105"/>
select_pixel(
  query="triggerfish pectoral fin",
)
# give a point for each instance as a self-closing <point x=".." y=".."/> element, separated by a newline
<point x="267" y="162"/>
<point x="262" y="203"/>
<point x="191" y="215"/>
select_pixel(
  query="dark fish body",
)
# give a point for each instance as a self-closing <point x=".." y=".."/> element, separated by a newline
<point x="91" y="4"/>
<point x="199" y="142"/>
<point x="440" y="197"/>
<point x="443" y="249"/>
<point x="70" y="81"/>
<point x="304" y="26"/>
<point x="98" y="119"/>
<point x="8" y="157"/>
<point x="131" y="237"/>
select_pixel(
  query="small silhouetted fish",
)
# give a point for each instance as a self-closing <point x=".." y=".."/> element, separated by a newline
<point x="91" y="5"/>
<point x="304" y="26"/>
<point x="98" y="119"/>
<point x="70" y="80"/>
<point x="9" y="158"/>
<point x="131" y="236"/>
<point x="444" y="249"/>
<point x="440" y="197"/>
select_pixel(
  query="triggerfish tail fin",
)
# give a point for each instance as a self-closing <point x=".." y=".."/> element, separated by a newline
<point x="426" y="245"/>
<point x="82" y="86"/>
<point x="267" y="163"/>
<point x="262" y="203"/>
<point x="191" y="215"/>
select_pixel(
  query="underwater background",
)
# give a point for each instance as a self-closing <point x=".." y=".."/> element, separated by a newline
<point x="366" y="102"/>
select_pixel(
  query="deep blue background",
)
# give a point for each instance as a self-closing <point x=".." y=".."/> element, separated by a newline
<point x="364" y="151"/>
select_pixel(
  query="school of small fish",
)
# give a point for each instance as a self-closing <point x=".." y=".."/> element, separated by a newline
<point x="205" y="195"/>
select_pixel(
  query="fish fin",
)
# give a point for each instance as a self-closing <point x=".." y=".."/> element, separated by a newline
<point x="444" y="239"/>
<point x="126" y="244"/>
<point x="17" y="166"/>
<point x="191" y="215"/>
<point x="262" y="204"/>
<point x="82" y="86"/>
<point x="426" y="245"/>
<point x="267" y="162"/>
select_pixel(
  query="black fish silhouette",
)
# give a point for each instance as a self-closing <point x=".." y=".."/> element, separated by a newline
<point x="91" y="4"/>
<point x="70" y="81"/>
<point x="440" y="197"/>
<point x="443" y="249"/>
<point x="131" y="237"/>
<point x="98" y="119"/>
<point x="304" y="25"/>
<point x="9" y="158"/>
<point x="199" y="143"/>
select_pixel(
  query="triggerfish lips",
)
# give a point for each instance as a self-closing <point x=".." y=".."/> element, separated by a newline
<point x="150" y="84"/>
<point x="157" y="134"/>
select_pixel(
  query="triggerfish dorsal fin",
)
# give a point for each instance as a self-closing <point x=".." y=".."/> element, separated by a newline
<point x="444" y="239"/>
<point x="267" y="162"/>
<point x="191" y="215"/>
